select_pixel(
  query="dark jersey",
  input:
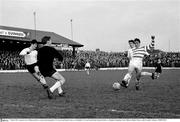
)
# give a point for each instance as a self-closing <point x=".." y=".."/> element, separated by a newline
<point x="158" y="68"/>
<point x="46" y="57"/>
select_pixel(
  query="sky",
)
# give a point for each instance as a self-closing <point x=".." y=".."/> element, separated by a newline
<point x="103" y="24"/>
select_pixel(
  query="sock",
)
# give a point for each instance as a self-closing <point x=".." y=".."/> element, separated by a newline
<point x="87" y="72"/>
<point x="127" y="77"/>
<point x="55" y="86"/>
<point x="157" y="75"/>
<point x="60" y="90"/>
<point x="42" y="80"/>
<point x="137" y="82"/>
<point x="128" y="80"/>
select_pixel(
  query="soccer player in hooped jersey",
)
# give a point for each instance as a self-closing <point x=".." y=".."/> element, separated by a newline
<point x="30" y="58"/>
<point x="46" y="55"/>
<point x="136" y="61"/>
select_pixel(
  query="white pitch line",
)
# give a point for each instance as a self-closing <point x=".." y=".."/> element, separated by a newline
<point x="18" y="105"/>
<point x="66" y="70"/>
<point x="142" y="112"/>
<point x="108" y="110"/>
<point x="32" y="106"/>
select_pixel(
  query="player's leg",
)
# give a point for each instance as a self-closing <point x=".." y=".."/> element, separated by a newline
<point x="40" y="77"/>
<point x="138" y="70"/>
<point x="146" y="74"/>
<point x="31" y="68"/>
<point x="87" y="70"/>
<point x="60" y="80"/>
<point x="152" y="75"/>
<point x="127" y="77"/>
<point x="157" y="75"/>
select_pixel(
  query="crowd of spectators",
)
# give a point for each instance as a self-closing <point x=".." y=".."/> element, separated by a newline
<point x="98" y="59"/>
<point x="11" y="60"/>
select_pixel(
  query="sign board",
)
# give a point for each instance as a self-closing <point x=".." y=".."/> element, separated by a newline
<point x="13" y="33"/>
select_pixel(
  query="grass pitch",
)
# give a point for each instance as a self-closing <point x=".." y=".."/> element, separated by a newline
<point x="91" y="96"/>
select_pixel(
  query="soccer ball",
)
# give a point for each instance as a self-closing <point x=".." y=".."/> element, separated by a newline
<point x="116" y="86"/>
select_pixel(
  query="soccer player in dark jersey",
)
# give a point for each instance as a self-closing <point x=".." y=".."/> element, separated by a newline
<point x="158" y="69"/>
<point x="45" y="57"/>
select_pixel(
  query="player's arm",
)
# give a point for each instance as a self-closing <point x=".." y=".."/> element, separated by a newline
<point x="129" y="55"/>
<point x="36" y="52"/>
<point x="39" y="55"/>
<point x="24" y="52"/>
<point x="151" y="45"/>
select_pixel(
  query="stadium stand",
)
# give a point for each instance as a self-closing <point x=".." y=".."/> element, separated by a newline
<point x="13" y="40"/>
<point x="11" y="45"/>
<point x="11" y="60"/>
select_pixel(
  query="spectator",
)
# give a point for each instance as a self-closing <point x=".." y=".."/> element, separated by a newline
<point x="98" y="59"/>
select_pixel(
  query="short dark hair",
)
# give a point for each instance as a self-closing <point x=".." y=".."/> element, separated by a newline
<point x="34" y="41"/>
<point x="131" y="41"/>
<point x="136" y="39"/>
<point x="45" y="39"/>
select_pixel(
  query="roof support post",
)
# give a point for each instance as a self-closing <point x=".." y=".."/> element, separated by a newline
<point x="74" y="52"/>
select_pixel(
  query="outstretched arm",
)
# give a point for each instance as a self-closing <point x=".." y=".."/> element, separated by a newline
<point x="151" y="45"/>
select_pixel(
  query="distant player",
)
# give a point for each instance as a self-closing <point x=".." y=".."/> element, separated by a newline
<point x="46" y="55"/>
<point x="158" y="69"/>
<point x="87" y="67"/>
<point x="30" y="58"/>
<point x="136" y="63"/>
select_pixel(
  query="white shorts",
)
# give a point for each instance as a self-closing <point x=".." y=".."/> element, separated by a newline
<point x="135" y="64"/>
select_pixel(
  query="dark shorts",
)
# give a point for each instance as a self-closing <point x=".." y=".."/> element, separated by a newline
<point x="158" y="70"/>
<point x="87" y="67"/>
<point x="47" y="72"/>
<point x="30" y="68"/>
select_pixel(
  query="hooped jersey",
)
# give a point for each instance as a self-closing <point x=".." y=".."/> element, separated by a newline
<point x="140" y="52"/>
